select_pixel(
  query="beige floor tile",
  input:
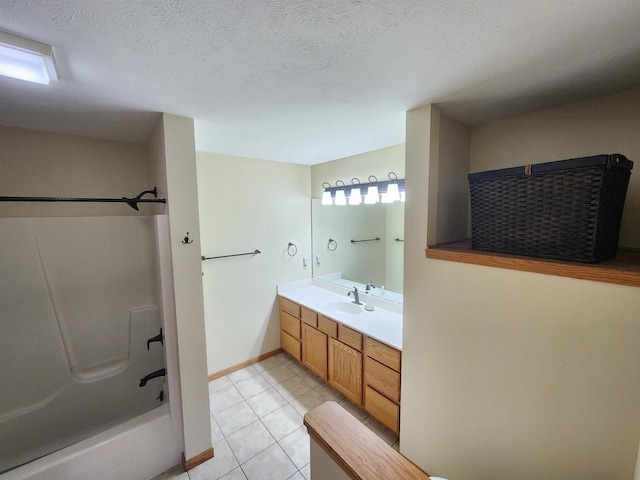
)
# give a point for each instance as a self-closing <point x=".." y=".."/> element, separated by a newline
<point x="219" y="384"/>
<point x="284" y="357"/>
<point x="282" y="422"/>
<point x="295" y="367"/>
<point x="266" y="402"/>
<point x="296" y="476"/>
<point x="311" y="378"/>
<point x="222" y="463"/>
<point x="306" y="471"/>
<point x="252" y="386"/>
<point x="307" y="402"/>
<point x="266" y="364"/>
<point x="236" y="474"/>
<point x="233" y="419"/>
<point x="216" y="433"/>
<point x="243" y="374"/>
<point x="359" y="414"/>
<point x="296" y="446"/>
<point x="249" y="441"/>
<point x="278" y="374"/>
<point x="175" y="473"/>
<point x="223" y="399"/>
<point x="383" y="432"/>
<point x="329" y="393"/>
<point x="293" y="388"/>
<point x="270" y="464"/>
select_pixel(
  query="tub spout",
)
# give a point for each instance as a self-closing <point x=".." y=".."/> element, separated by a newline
<point x="158" y="373"/>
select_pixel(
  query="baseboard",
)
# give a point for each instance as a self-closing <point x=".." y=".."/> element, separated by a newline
<point x="239" y="366"/>
<point x="197" y="460"/>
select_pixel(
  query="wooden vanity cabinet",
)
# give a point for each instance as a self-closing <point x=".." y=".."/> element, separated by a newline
<point x="345" y="370"/>
<point x="314" y="350"/>
<point x="290" y="330"/>
<point x="382" y="383"/>
<point x="364" y="370"/>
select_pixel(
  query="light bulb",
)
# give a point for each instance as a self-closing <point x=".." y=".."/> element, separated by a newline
<point x="356" y="197"/>
<point x="326" y="198"/>
<point x="393" y="192"/>
<point x="372" y="195"/>
<point x="341" y="199"/>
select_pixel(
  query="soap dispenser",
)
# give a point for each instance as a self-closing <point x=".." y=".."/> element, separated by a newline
<point x="368" y="306"/>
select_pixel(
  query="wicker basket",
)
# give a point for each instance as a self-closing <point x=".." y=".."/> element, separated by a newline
<point x="566" y="210"/>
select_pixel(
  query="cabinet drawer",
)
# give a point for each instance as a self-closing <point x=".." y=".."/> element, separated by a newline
<point x="290" y="325"/>
<point x="290" y="344"/>
<point x="350" y="337"/>
<point x="328" y="326"/>
<point x="383" y="353"/>
<point x="290" y="307"/>
<point x="382" y="379"/>
<point x="380" y="407"/>
<point x="309" y="317"/>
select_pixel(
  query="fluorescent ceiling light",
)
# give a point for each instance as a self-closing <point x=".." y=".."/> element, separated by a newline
<point x="26" y="59"/>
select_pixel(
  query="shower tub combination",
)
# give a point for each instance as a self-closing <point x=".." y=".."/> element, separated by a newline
<point x="82" y="362"/>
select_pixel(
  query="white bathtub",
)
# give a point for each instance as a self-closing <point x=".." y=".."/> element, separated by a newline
<point x="135" y="450"/>
<point x="79" y="297"/>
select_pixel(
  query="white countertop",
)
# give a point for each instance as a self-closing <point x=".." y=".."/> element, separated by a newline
<point x="380" y="324"/>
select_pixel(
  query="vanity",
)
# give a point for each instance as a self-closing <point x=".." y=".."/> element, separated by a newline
<point x="357" y="352"/>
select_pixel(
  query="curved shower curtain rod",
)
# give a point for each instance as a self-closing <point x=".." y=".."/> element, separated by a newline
<point x="132" y="202"/>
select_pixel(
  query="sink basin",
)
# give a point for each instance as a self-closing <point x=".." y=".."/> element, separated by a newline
<point x="344" y="308"/>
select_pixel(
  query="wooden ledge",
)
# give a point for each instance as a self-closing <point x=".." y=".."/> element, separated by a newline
<point x="360" y="453"/>
<point x="623" y="270"/>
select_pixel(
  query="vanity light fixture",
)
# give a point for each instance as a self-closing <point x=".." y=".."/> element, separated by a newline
<point x="326" y="195"/>
<point x="392" y="190"/>
<point x="372" y="195"/>
<point x="26" y="59"/>
<point x="355" y="198"/>
<point x="341" y="198"/>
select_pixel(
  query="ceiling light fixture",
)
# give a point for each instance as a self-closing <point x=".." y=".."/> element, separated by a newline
<point x="26" y="59"/>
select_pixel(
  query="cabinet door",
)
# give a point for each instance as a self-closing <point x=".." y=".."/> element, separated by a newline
<point x="345" y="370"/>
<point x="314" y="350"/>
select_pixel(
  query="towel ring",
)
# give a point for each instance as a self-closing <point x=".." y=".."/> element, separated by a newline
<point x="335" y="245"/>
<point x="289" y="248"/>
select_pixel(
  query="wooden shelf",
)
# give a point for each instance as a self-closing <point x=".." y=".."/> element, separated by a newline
<point x="623" y="270"/>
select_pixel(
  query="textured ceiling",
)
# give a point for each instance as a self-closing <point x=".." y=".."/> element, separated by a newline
<point x="312" y="80"/>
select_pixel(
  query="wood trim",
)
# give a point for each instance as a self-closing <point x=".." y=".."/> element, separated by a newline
<point x="240" y="366"/>
<point x="357" y="450"/>
<point x="197" y="460"/>
<point x="623" y="270"/>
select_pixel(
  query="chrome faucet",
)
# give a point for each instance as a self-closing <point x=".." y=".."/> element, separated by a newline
<point x="356" y="296"/>
<point x="370" y="285"/>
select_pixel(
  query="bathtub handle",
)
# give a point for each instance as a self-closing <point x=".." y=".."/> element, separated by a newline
<point x="157" y="338"/>
<point x="158" y="373"/>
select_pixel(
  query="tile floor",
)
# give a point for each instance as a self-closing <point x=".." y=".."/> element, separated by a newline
<point x="256" y="423"/>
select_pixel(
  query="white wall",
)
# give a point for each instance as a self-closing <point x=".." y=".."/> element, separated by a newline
<point x="172" y="166"/>
<point x="40" y="164"/>
<point x="248" y="204"/>
<point x="512" y="374"/>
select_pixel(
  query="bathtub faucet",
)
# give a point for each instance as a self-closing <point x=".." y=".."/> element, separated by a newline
<point x="158" y="373"/>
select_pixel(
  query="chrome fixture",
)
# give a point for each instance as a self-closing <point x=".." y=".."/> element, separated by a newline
<point x="392" y="190"/>
<point x="356" y="296"/>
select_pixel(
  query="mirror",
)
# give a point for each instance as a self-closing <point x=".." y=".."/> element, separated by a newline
<point x="366" y="259"/>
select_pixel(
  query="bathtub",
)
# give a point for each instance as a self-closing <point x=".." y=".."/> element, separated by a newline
<point x="79" y="298"/>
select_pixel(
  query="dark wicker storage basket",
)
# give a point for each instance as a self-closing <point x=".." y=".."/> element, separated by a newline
<point x="566" y="210"/>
